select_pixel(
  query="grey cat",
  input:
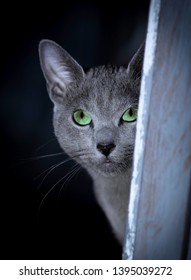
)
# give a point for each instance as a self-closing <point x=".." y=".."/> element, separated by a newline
<point x="95" y="122"/>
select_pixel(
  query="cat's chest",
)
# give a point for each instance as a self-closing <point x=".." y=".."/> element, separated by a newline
<point x="112" y="195"/>
<point x="113" y="192"/>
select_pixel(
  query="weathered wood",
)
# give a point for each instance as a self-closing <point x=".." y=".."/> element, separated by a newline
<point x="161" y="181"/>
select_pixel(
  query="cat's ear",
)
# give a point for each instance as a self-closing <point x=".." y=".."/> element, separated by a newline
<point x="136" y="64"/>
<point x="59" y="69"/>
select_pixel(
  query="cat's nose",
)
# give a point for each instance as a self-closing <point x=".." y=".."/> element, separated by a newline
<point x="106" y="149"/>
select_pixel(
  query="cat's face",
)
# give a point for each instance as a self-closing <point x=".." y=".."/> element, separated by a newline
<point x="94" y="112"/>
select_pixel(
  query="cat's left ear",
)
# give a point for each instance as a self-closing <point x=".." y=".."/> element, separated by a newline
<point x="136" y="63"/>
<point x="59" y="69"/>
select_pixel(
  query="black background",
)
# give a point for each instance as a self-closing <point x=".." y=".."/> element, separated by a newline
<point x="68" y="224"/>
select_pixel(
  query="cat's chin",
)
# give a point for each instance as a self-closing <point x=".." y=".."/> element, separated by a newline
<point x="107" y="168"/>
<point x="110" y="169"/>
<point x="109" y="174"/>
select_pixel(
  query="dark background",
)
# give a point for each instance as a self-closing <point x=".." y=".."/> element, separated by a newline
<point x="68" y="224"/>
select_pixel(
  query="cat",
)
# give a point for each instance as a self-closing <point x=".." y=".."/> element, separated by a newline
<point x="94" y="121"/>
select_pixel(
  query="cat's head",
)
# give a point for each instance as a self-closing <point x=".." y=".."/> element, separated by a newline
<point x="94" y="112"/>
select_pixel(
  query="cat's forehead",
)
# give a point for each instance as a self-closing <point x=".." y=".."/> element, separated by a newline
<point x="104" y="91"/>
<point x="108" y="87"/>
<point x="108" y="76"/>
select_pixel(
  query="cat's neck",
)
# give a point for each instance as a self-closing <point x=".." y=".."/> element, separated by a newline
<point x="108" y="184"/>
<point x="113" y="194"/>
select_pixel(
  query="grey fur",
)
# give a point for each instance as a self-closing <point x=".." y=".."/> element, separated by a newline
<point x="105" y="92"/>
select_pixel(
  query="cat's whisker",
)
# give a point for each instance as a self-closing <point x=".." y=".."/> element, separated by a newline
<point x="77" y="154"/>
<point x="46" y="156"/>
<point x="82" y="152"/>
<point x="50" y="155"/>
<point x="22" y="161"/>
<point x="75" y="170"/>
<point x="35" y="178"/>
<point x="51" y="169"/>
<point x="51" y="189"/>
<point x="45" y="144"/>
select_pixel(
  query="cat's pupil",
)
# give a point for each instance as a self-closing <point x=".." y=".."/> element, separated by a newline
<point x="81" y="115"/>
<point x="130" y="112"/>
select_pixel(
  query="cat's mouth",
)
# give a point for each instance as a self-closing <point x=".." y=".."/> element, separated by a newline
<point x="108" y="167"/>
<point x="108" y="161"/>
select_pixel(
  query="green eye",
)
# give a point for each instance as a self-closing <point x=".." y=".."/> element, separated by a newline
<point x="82" y="118"/>
<point x="130" y="115"/>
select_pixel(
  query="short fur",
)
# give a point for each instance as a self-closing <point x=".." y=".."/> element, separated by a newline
<point x="105" y="92"/>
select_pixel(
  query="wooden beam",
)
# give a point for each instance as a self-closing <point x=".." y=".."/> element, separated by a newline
<point x="159" y="208"/>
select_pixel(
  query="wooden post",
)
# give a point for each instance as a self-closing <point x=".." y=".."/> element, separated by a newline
<point x="159" y="213"/>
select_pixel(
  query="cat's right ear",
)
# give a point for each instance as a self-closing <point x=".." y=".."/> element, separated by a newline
<point x="59" y="69"/>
